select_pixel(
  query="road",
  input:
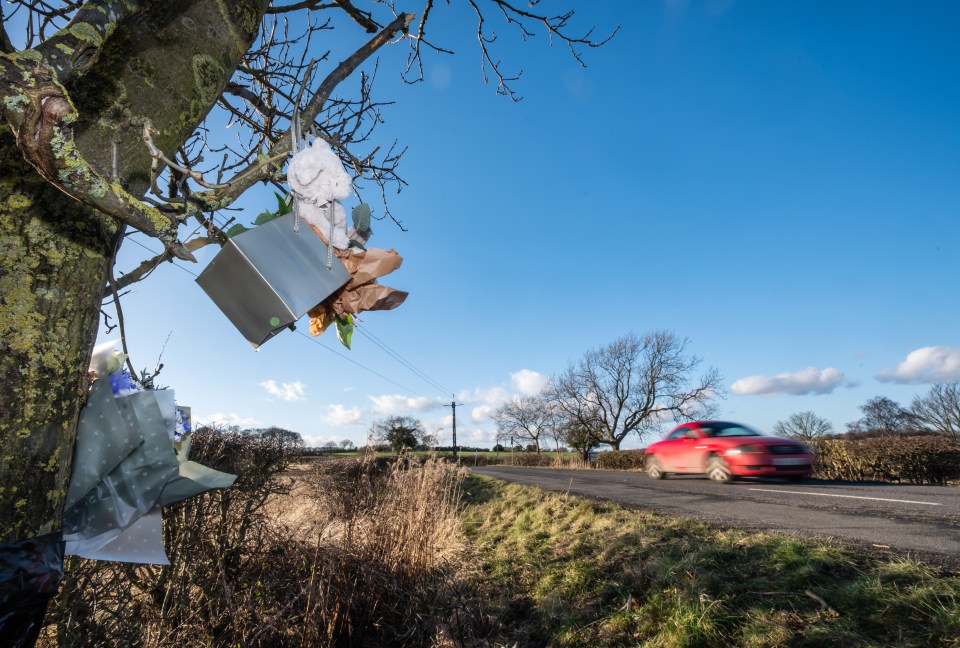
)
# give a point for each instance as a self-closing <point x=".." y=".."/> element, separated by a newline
<point x="882" y="518"/>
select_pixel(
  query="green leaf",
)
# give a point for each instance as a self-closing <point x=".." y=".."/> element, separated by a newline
<point x="361" y="217"/>
<point x="283" y="207"/>
<point x="236" y="229"/>
<point x="345" y="330"/>
<point x="263" y="217"/>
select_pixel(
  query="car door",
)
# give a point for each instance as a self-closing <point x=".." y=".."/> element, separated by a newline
<point x="672" y="449"/>
<point x="691" y="454"/>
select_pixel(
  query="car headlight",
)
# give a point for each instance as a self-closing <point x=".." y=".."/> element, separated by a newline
<point x="745" y="449"/>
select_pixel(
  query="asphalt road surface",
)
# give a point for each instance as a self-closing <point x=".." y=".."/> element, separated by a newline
<point x="881" y="518"/>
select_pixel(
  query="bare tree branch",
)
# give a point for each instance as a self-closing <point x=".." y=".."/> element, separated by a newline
<point x="632" y="384"/>
<point x="362" y="18"/>
<point x="261" y="98"/>
<point x="939" y="410"/>
<point x="43" y="16"/>
<point x="803" y="425"/>
<point x="557" y="27"/>
<point x="270" y="166"/>
<point x="6" y="45"/>
<point x="306" y="4"/>
<point x="526" y="419"/>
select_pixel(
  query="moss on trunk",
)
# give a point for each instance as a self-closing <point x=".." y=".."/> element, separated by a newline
<point x="53" y="262"/>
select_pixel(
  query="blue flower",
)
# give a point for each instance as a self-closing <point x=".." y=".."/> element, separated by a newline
<point x="182" y="426"/>
<point x="122" y="383"/>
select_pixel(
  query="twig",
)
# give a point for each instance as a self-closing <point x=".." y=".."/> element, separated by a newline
<point x="158" y="156"/>
<point x="823" y="604"/>
<point x="119" y="310"/>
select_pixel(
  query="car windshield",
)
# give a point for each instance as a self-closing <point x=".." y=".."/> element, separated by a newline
<point x="729" y="430"/>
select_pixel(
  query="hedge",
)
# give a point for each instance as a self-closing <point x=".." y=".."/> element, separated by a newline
<point x="926" y="459"/>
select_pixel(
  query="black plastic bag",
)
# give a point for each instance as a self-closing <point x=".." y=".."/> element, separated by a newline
<point x="30" y="572"/>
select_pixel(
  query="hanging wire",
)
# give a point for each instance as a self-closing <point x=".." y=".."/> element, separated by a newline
<point x="297" y="137"/>
<point x="351" y="360"/>
<point x="399" y="358"/>
<point x="331" y="211"/>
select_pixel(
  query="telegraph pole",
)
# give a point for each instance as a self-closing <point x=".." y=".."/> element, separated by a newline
<point x="453" y="409"/>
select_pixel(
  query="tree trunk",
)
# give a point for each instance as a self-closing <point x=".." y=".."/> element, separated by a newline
<point x="169" y="63"/>
<point x="53" y="262"/>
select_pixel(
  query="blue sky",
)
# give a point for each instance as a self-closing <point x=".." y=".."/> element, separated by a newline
<point x="776" y="182"/>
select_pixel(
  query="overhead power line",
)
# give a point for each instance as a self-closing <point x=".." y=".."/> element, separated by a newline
<point x="351" y="360"/>
<point x="403" y="361"/>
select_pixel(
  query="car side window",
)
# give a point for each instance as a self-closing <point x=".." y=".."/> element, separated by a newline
<point x="682" y="433"/>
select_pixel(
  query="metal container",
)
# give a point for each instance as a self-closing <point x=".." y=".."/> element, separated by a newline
<point x="268" y="277"/>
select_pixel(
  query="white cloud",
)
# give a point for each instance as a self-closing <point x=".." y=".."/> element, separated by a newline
<point x="482" y="413"/>
<point x="341" y="415"/>
<point x="486" y="400"/>
<point x="489" y="396"/>
<point x="220" y="418"/>
<point x="317" y="441"/>
<point x="808" y="381"/>
<point x="479" y="435"/>
<point x="394" y="404"/>
<point x="925" y="365"/>
<point x="527" y="382"/>
<point x="294" y="391"/>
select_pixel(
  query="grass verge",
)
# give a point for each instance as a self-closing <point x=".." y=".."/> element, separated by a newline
<point x="563" y="571"/>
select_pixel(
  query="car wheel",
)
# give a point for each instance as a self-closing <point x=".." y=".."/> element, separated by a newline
<point x="718" y="470"/>
<point x="654" y="469"/>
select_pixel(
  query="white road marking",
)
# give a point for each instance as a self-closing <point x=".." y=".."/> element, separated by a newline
<point x="878" y="499"/>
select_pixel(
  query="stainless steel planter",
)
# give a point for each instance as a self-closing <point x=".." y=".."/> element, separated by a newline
<point x="265" y="279"/>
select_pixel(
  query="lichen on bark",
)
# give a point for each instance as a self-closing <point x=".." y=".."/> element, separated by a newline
<point x="53" y="260"/>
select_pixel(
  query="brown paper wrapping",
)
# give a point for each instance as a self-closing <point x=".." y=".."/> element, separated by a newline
<point x="362" y="292"/>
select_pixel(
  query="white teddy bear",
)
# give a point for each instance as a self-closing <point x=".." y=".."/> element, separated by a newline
<point x="319" y="182"/>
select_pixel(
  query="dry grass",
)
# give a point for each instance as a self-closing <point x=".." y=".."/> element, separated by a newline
<point x="348" y="552"/>
<point x="391" y="535"/>
<point x="402" y="515"/>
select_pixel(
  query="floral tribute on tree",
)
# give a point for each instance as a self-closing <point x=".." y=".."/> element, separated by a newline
<point x="130" y="460"/>
<point x="266" y="278"/>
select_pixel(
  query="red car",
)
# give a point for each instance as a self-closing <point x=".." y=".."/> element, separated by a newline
<point x="725" y="451"/>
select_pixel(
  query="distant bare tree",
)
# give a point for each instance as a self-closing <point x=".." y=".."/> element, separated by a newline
<point x="430" y="440"/>
<point x="939" y="410"/>
<point x="554" y="433"/>
<point x="525" y="419"/>
<point x="399" y="432"/>
<point x="633" y="384"/>
<point x="803" y="425"/>
<point x="881" y="416"/>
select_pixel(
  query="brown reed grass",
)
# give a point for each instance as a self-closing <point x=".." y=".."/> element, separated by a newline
<point x="349" y="552"/>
